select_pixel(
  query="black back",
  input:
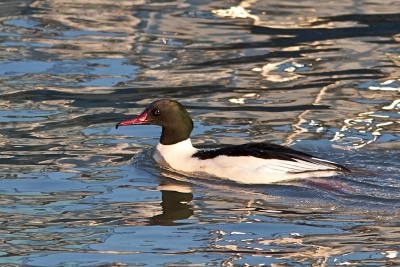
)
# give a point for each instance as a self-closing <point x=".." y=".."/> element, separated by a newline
<point x="264" y="151"/>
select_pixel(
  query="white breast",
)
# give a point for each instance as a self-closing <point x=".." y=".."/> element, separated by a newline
<point x="250" y="170"/>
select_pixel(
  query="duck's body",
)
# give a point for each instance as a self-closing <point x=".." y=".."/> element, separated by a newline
<point x="257" y="163"/>
<point x="251" y="163"/>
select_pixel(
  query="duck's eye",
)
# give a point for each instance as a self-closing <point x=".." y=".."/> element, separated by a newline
<point x="156" y="112"/>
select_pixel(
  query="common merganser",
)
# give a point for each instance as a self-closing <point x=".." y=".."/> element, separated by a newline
<point x="256" y="163"/>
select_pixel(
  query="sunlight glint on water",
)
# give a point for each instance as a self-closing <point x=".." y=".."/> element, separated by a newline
<point x="321" y="77"/>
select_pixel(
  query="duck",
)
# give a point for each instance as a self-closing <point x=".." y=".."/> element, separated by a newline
<point x="253" y="163"/>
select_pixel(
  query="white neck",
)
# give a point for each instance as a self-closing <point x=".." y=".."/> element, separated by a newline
<point x="185" y="144"/>
<point x="173" y="154"/>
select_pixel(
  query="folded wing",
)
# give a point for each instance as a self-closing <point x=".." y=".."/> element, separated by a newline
<point x="276" y="157"/>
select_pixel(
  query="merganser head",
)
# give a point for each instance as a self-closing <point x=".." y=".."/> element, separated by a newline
<point x="170" y="115"/>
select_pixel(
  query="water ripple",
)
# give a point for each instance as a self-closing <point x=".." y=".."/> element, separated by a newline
<point x="320" y="77"/>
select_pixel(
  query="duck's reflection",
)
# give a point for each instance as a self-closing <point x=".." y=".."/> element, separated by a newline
<point x="176" y="198"/>
<point x="240" y="200"/>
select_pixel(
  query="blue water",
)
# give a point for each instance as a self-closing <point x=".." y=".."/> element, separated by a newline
<point x="320" y="77"/>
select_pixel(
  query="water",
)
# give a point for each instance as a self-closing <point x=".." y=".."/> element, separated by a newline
<point x="321" y="77"/>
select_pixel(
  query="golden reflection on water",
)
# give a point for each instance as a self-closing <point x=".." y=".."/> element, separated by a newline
<point x="312" y="75"/>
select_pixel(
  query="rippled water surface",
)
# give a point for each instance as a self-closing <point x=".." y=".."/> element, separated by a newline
<point x="322" y="77"/>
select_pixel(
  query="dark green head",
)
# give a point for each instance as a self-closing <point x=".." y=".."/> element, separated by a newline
<point x="170" y="115"/>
